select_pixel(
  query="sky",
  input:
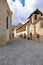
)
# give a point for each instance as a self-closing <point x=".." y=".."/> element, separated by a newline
<point x="23" y="8"/>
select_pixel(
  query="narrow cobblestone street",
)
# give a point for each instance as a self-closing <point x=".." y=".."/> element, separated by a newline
<point x="22" y="52"/>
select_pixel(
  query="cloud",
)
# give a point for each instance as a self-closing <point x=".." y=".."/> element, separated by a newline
<point x="13" y="0"/>
<point x="20" y="13"/>
<point x="39" y="5"/>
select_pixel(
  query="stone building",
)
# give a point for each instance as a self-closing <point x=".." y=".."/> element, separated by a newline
<point x="36" y="25"/>
<point x="5" y="21"/>
<point x="21" y="31"/>
<point x="16" y="30"/>
<point x="32" y="28"/>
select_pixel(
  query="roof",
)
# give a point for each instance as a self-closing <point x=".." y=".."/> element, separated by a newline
<point x="23" y="25"/>
<point x="37" y="11"/>
<point x="18" y="26"/>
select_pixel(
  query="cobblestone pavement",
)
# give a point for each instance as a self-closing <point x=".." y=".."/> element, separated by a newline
<point x="22" y="52"/>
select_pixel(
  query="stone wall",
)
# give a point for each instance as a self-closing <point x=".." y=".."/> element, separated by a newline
<point x="3" y="14"/>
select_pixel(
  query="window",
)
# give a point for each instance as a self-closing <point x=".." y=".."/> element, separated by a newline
<point x="7" y="22"/>
<point x="35" y="17"/>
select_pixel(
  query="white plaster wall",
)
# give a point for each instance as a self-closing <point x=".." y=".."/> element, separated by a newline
<point x="14" y="32"/>
<point x="34" y="32"/>
<point x="38" y="26"/>
<point x="33" y="18"/>
<point x="38" y="16"/>
<point x="31" y="29"/>
<point x="41" y="31"/>
<point x="41" y="22"/>
<point x="27" y="31"/>
<point x="18" y="34"/>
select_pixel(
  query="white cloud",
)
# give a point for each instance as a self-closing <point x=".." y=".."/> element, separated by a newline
<point x="21" y="13"/>
<point x="30" y="4"/>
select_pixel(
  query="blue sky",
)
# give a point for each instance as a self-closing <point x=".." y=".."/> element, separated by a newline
<point x="23" y="8"/>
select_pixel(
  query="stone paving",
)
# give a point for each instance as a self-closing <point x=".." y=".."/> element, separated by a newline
<point x="22" y="52"/>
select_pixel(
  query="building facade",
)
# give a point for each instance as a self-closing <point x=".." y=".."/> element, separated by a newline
<point x="36" y="25"/>
<point x="5" y="21"/>
<point x="33" y="29"/>
<point x="16" y="30"/>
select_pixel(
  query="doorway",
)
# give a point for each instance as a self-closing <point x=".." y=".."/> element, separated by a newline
<point x="31" y="35"/>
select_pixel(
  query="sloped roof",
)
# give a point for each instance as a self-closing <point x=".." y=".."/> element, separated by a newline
<point x="37" y="11"/>
<point x="23" y="25"/>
